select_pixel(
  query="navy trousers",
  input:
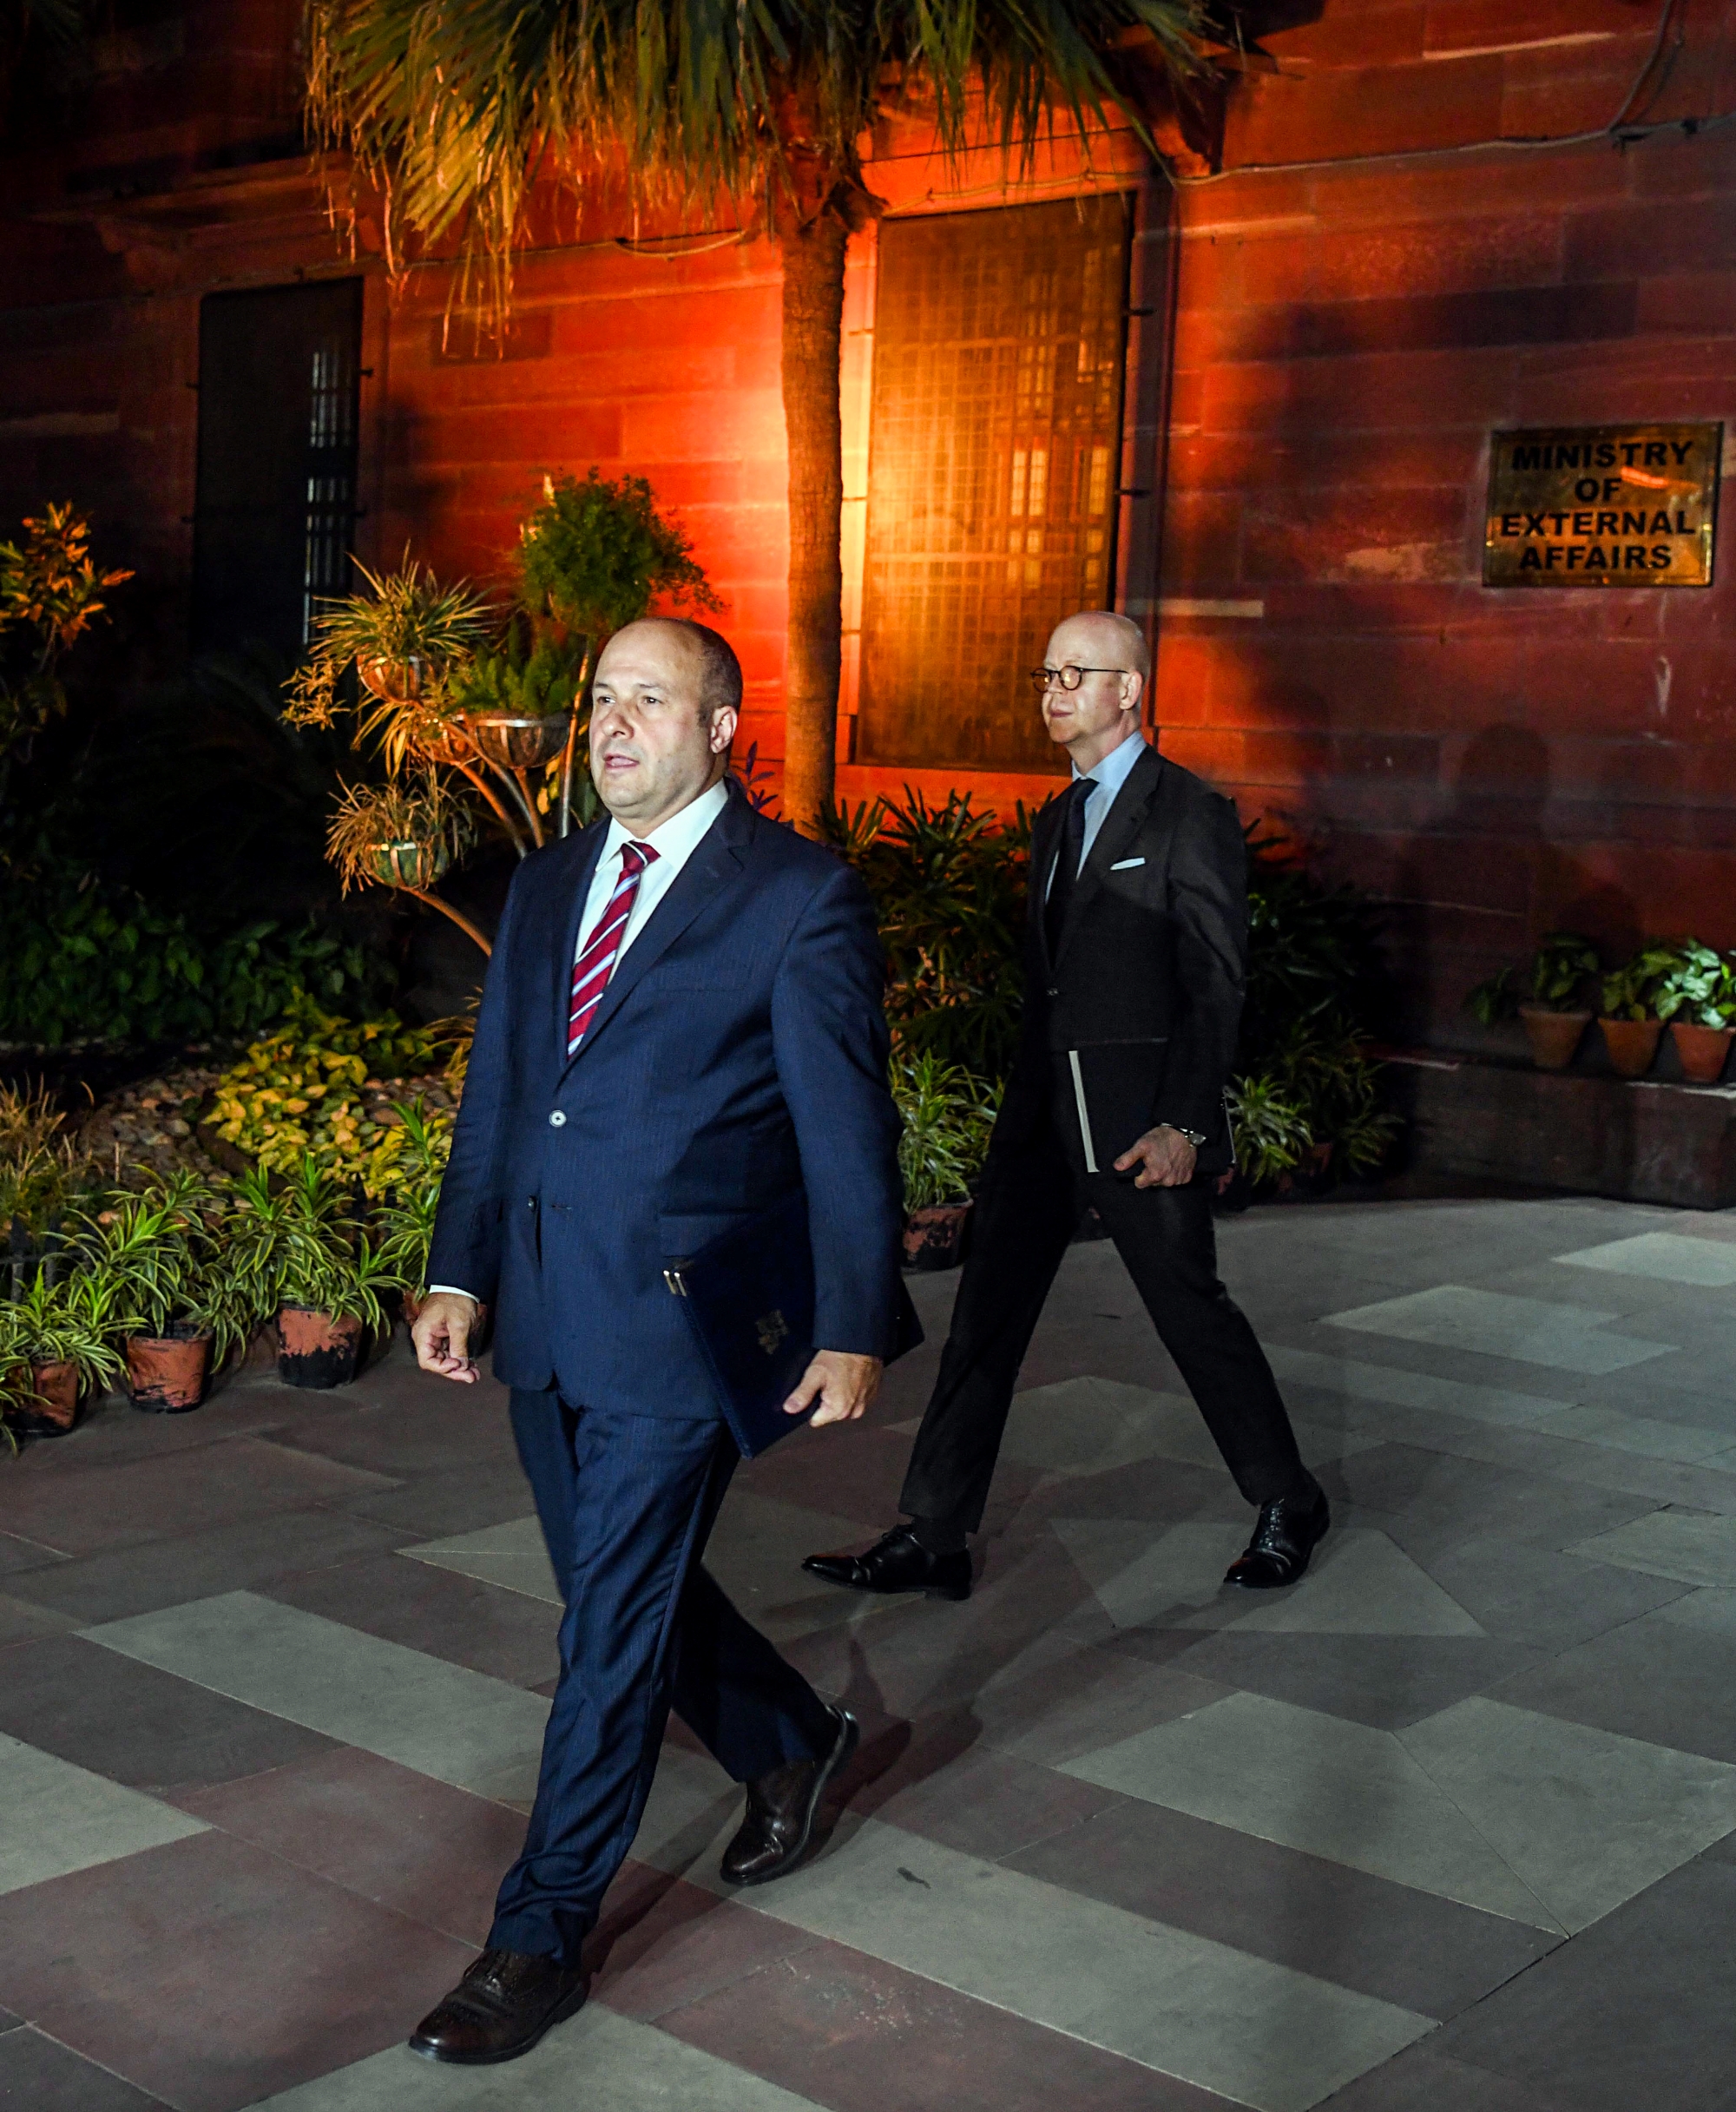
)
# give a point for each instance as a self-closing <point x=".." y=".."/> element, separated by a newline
<point x="626" y="1503"/>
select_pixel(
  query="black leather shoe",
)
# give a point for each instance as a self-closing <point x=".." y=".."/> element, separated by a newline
<point x="778" y="1823"/>
<point x="898" y="1561"/>
<point x="1287" y="1533"/>
<point x="503" y="2005"/>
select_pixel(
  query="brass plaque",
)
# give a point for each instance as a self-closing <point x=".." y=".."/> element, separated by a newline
<point x="1602" y="506"/>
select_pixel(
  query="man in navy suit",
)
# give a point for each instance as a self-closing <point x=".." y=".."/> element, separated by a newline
<point x="681" y="1027"/>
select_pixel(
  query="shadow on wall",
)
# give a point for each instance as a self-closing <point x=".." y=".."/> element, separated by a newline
<point x="1506" y="860"/>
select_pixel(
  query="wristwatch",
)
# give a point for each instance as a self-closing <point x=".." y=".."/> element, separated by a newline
<point x="1193" y="1136"/>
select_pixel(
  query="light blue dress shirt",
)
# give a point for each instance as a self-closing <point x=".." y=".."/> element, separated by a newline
<point x="1105" y="780"/>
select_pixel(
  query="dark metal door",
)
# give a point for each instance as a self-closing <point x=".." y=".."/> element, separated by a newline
<point x="275" y="509"/>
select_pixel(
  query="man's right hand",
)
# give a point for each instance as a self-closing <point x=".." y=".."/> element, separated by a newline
<point x="442" y="1336"/>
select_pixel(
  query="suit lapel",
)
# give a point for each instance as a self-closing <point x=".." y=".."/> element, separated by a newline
<point x="718" y="860"/>
<point x="1121" y="825"/>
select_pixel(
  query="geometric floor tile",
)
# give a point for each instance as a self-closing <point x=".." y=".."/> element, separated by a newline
<point x="1500" y="1807"/>
<point x="1667" y="1257"/>
<point x="1262" y="2034"/>
<point x="512" y="1556"/>
<point x="1695" y="1547"/>
<point x="460" y="1726"/>
<point x="55" y="1817"/>
<point x="1145" y="1574"/>
<point x="1359" y="1583"/>
<point x="1310" y="1781"/>
<point x="1385" y="1384"/>
<point x="1530" y="1330"/>
<point x="598" y="2060"/>
<point x="37" y="2074"/>
<point x="1087" y="1427"/>
<point x="755" y="1552"/>
<point x="1588" y="1819"/>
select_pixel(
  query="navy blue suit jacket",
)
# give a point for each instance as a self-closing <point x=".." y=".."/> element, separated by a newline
<point x="738" y="1053"/>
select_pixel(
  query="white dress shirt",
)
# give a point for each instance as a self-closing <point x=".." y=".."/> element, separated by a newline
<point x="674" y="841"/>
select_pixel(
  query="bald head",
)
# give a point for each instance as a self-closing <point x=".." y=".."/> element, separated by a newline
<point x="1098" y="637"/>
<point x="1113" y="664"/>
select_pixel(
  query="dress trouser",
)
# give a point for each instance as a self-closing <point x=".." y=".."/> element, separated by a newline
<point x="625" y="1503"/>
<point x="1032" y="1198"/>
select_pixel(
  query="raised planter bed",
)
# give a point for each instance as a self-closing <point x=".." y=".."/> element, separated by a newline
<point x="1641" y="1140"/>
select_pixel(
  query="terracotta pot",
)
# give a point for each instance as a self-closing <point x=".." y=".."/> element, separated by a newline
<point x="933" y="1238"/>
<point x="166" y="1374"/>
<point x="315" y="1351"/>
<point x="516" y="743"/>
<point x="408" y="864"/>
<point x="1702" y="1050"/>
<point x="1555" y="1037"/>
<point x="56" y="1406"/>
<point x="1632" y="1044"/>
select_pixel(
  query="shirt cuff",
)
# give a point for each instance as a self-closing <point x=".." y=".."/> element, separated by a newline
<point x="457" y="1290"/>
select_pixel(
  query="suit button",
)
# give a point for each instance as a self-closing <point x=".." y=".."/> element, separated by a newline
<point x="1052" y="992"/>
<point x="558" y="1120"/>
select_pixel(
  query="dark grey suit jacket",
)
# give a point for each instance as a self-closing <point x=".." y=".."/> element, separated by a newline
<point x="1133" y="1021"/>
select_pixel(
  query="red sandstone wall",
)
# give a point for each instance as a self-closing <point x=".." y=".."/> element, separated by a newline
<point x="1348" y="333"/>
<point x="1497" y="764"/>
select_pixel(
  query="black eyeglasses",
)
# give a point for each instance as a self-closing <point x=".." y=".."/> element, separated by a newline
<point x="1069" y="677"/>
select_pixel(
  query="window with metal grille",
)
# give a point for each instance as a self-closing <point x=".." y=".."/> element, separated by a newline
<point x="994" y="457"/>
<point x="275" y="514"/>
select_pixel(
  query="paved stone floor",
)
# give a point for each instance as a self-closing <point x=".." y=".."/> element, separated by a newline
<point x="1452" y="1824"/>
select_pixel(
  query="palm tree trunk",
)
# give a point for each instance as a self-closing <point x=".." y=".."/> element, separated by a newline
<point x="813" y="315"/>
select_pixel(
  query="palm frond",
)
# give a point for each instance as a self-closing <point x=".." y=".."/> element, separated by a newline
<point x="455" y="109"/>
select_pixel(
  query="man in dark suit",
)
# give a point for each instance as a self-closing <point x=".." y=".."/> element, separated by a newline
<point x="681" y="1029"/>
<point x="1135" y="953"/>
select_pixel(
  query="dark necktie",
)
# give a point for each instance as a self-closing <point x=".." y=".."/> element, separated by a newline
<point x="1066" y="858"/>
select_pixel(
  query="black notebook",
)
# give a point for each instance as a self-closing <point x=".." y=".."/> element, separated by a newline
<point x="749" y="1298"/>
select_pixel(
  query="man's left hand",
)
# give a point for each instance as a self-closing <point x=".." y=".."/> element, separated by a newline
<point x="843" y="1384"/>
<point x="1164" y="1157"/>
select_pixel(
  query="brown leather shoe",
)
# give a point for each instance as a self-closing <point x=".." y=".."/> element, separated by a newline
<point x="778" y="1827"/>
<point x="503" y="2005"/>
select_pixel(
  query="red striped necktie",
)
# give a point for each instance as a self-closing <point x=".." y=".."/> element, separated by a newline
<point x="595" y="964"/>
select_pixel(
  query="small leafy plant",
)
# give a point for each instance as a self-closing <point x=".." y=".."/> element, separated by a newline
<point x="301" y="1245"/>
<point x="81" y="1320"/>
<point x="408" y="633"/>
<point x="165" y="1253"/>
<point x="1557" y="981"/>
<point x="1631" y="991"/>
<point x="948" y="1114"/>
<point x="1699" y="988"/>
<point x="416" y="809"/>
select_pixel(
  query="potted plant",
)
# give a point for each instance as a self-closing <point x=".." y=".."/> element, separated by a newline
<point x="1697" y="998"/>
<point x="300" y="1255"/>
<point x="948" y="1114"/>
<point x="1553" y="1008"/>
<point x="170" y="1264"/>
<point x="403" y="638"/>
<point x="402" y="834"/>
<point x="1629" y="1014"/>
<point x="59" y="1345"/>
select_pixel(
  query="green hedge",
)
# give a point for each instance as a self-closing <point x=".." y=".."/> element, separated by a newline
<point x="83" y="960"/>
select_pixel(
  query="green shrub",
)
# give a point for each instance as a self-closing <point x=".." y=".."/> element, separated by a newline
<point x="948" y="890"/>
<point x="83" y="960"/>
<point x="297" y="1097"/>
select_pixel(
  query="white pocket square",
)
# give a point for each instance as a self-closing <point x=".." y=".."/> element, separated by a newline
<point x="1126" y="864"/>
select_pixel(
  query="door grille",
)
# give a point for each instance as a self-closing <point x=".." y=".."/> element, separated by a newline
<point x="994" y="461"/>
